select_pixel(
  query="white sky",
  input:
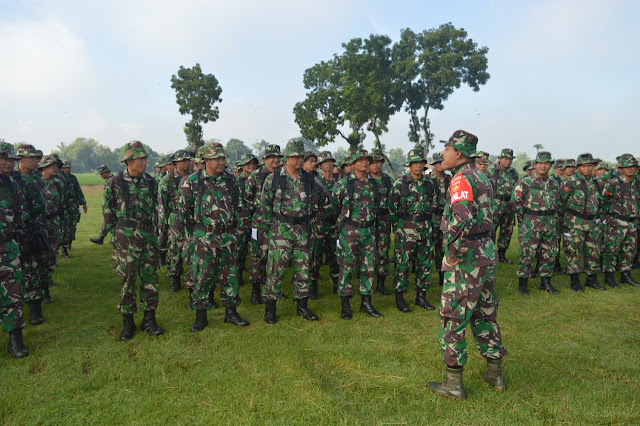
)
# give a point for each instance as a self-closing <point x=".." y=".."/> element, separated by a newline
<point x="564" y="73"/>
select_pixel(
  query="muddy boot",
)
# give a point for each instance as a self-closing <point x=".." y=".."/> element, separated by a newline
<point x="16" y="345"/>
<point x="270" y="312"/>
<point x="35" y="312"/>
<point x="304" y="311"/>
<point x="625" y="278"/>
<point x="575" y="282"/>
<point x="380" y="286"/>
<point x="313" y="290"/>
<point x="232" y="317"/>
<point x="201" y="321"/>
<point x="452" y="387"/>
<point x="523" y="285"/>
<point x="367" y="307"/>
<point x="421" y="300"/>
<point x="256" y="298"/>
<point x="149" y="323"/>
<point x="401" y="304"/>
<point x="346" y="308"/>
<point x="610" y="280"/>
<point x="545" y="284"/>
<point x="493" y="375"/>
<point x="592" y="281"/>
<point x="128" y="327"/>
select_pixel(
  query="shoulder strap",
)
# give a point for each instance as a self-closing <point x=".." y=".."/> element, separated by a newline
<point x="405" y="187"/>
<point x="6" y="180"/>
<point x="514" y="174"/>
<point x="351" y="188"/>
<point x="387" y="181"/>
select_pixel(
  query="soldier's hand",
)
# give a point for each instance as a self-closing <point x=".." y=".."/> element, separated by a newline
<point x="84" y="207"/>
<point x="453" y="261"/>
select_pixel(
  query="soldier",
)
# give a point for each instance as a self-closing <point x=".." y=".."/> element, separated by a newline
<point x="105" y="174"/>
<point x="309" y="163"/>
<point x="130" y="211"/>
<point x="209" y="211"/>
<point x="559" y="178"/>
<point x="482" y="162"/>
<point x="383" y="225"/>
<point x="620" y="203"/>
<point x="412" y="201"/>
<point x="568" y="168"/>
<point x="527" y="168"/>
<point x="441" y="182"/>
<point x="167" y="168"/>
<point x="337" y="169"/>
<point x="252" y="196"/>
<point x="67" y="205"/>
<point x="357" y="198"/>
<point x="286" y="204"/>
<point x="324" y="230"/>
<point x="247" y="165"/>
<point x="504" y="179"/>
<point x="579" y="202"/>
<point x="469" y="294"/>
<point x="76" y="200"/>
<point x="536" y="202"/>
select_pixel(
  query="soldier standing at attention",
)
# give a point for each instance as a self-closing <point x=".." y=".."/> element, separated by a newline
<point x="412" y="201"/>
<point x="504" y="179"/>
<point x="286" y="205"/>
<point x="441" y="182"/>
<point x="357" y="199"/>
<point x="620" y="203"/>
<point x="309" y="163"/>
<point x="76" y="200"/>
<point x="579" y="202"/>
<point x="482" y="162"/>
<point x="383" y="225"/>
<point x="559" y="179"/>
<point x="536" y="203"/>
<point x="130" y="211"/>
<point x="105" y="174"/>
<point x="247" y="164"/>
<point x="468" y="294"/>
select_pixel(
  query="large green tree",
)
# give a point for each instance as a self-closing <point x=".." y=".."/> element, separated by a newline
<point x="86" y="154"/>
<point x="432" y="65"/>
<point x="235" y="149"/>
<point x="196" y="94"/>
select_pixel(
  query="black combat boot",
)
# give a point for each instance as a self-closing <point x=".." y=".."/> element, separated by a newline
<point x="545" y="284"/>
<point x="523" y="285"/>
<point x="304" y="311"/>
<point x="380" y="286"/>
<point x="400" y="303"/>
<point x="201" y="321"/>
<point x="452" y="387"/>
<point x="313" y="290"/>
<point x="367" y="307"/>
<point x="610" y="280"/>
<point x="212" y="299"/>
<point x="557" y="268"/>
<point x="493" y="375"/>
<point x="421" y="300"/>
<point x="16" y="345"/>
<point x="625" y="278"/>
<point x="335" y="284"/>
<point x="592" y="281"/>
<point x="175" y="284"/>
<point x="441" y="276"/>
<point x="346" y="308"/>
<point x="46" y="296"/>
<point x="149" y="323"/>
<point x="256" y="299"/>
<point x="502" y="257"/>
<point x="128" y="327"/>
<point x="232" y="317"/>
<point x="270" y="311"/>
<point x="575" y="282"/>
<point x="35" y="312"/>
<point x="65" y="252"/>
<point x="636" y="263"/>
<point x="99" y="240"/>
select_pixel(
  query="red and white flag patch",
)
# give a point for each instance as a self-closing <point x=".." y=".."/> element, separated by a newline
<point x="460" y="189"/>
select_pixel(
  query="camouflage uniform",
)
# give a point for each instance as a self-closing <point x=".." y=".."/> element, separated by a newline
<point x="504" y="218"/>
<point x="383" y="228"/>
<point x="76" y="199"/>
<point x="244" y="236"/>
<point x="103" y="232"/>
<point x="442" y="186"/>
<point x="536" y="204"/>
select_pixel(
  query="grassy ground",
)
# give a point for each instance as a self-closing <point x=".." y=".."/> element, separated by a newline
<point x="89" y="179"/>
<point x="573" y="358"/>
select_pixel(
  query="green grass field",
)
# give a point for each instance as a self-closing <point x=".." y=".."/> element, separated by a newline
<point x="573" y="358"/>
<point x="89" y="179"/>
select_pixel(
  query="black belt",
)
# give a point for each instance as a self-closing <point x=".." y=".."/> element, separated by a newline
<point x="582" y="215"/>
<point x="416" y="217"/>
<point x="623" y="218"/>
<point x="146" y="225"/>
<point x="551" y="212"/>
<point x="213" y="229"/>
<point x="478" y="236"/>
<point x="293" y="220"/>
<point x="360" y="224"/>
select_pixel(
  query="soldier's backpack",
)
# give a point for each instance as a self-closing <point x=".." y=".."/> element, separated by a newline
<point x="280" y="181"/>
<point x="405" y="192"/>
<point x="126" y="196"/>
<point x="351" y="187"/>
<point x="232" y="188"/>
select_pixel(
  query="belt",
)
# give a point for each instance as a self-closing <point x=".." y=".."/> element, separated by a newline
<point x="504" y="197"/>
<point x="293" y="220"/>
<point x="52" y="216"/>
<point x="582" y="215"/>
<point x="623" y="218"/>
<point x="416" y="217"/>
<point x="360" y="224"/>
<point x="478" y="236"/>
<point x="383" y="212"/>
<point x="146" y="225"/>
<point x="213" y="229"/>
<point x="551" y="212"/>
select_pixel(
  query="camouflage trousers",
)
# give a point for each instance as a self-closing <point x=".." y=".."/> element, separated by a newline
<point x="620" y="242"/>
<point x="582" y="249"/>
<point x="244" y="238"/>
<point x="356" y="245"/>
<point x="259" y="257"/>
<point x="11" y="290"/>
<point x="505" y="219"/>
<point x="534" y="243"/>
<point x="188" y="249"/>
<point x="383" y="243"/>
<point x="437" y="242"/>
<point x="33" y="290"/>
<point x="469" y="297"/>
<point x="175" y="260"/>
<point x="48" y="260"/>
<point x="411" y="250"/>
<point x="323" y="241"/>
<point x="69" y="228"/>
<point x="287" y="242"/>
<point x="214" y="261"/>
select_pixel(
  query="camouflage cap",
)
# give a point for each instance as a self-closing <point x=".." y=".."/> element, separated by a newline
<point x="376" y="155"/>
<point x="47" y="161"/>
<point x="602" y="166"/>
<point x="437" y="158"/>
<point x="482" y="157"/>
<point x="358" y="154"/>
<point x="246" y="159"/>
<point x="325" y="156"/>
<point x="39" y="153"/>
<point x="527" y="165"/>
<point x="66" y="164"/>
<point x="506" y="153"/>
<point x="7" y="148"/>
<point x="294" y="148"/>
<point x="569" y="162"/>
<point x="585" y="158"/>
<point x="270" y="150"/>
<point x="198" y="157"/>
<point x="134" y="149"/>
<point x="543" y="157"/>
<point x="103" y="169"/>
<point x="627" y="160"/>
<point x="181" y="155"/>
<point x="211" y="152"/>
<point x="58" y="159"/>
<point x="464" y="142"/>
<point x="26" y="150"/>
<point x="559" y="164"/>
<point x="415" y="156"/>
<point x="310" y="154"/>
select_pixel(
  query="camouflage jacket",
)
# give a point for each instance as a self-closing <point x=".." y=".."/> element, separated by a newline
<point x="326" y="213"/>
<point x="385" y="185"/>
<point x="168" y="193"/>
<point x="54" y="201"/>
<point x="579" y="202"/>
<point x="34" y="203"/>
<point x="621" y="197"/>
<point x="357" y="207"/>
<point x="66" y="191"/>
<point x="76" y="194"/>
<point x="536" y="201"/>
<point x="412" y="204"/>
<point x="252" y="195"/>
<point x="284" y="199"/>
<point x="467" y="221"/>
<point x="442" y="185"/>
<point x="504" y="182"/>
<point x="11" y="220"/>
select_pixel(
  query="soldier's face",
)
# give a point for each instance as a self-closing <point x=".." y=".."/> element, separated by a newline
<point x="249" y="167"/>
<point x="9" y="165"/>
<point x="628" y="172"/>
<point x="183" y="166"/>
<point x="137" y="166"/>
<point x="569" y="171"/>
<point x="450" y="157"/>
<point x="542" y="169"/>
<point x="348" y="168"/>
<point x="483" y="167"/>
<point x="105" y="175"/>
<point x="327" y="166"/>
<point x="272" y="162"/>
<point x="505" y="162"/>
<point x="310" y="164"/>
<point x="29" y="163"/>
<point x="599" y="172"/>
<point x="375" y="167"/>
<point x="295" y="161"/>
<point x="3" y="161"/>
<point x="362" y="164"/>
<point x="416" y="168"/>
<point x="66" y="169"/>
<point x="438" y="167"/>
<point x="586" y="169"/>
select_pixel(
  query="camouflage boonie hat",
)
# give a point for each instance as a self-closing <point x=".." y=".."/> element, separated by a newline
<point x="58" y="160"/>
<point x="570" y="162"/>
<point x="464" y="142"/>
<point x="7" y="148"/>
<point x="181" y="155"/>
<point x="294" y="148"/>
<point x="246" y="159"/>
<point x="376" y="155"/>
<point x="198" y="157"/>
<point x="358" y="154"/>
<point x="26" y="150"/>
<point x="506" y="153"/>
<point x="47" y="161"/>
<point x="415" y="156"/>
<point x="585" y="158"/>
<point x="39" y="153"/>
<point x="310" y="154"/>
<point x="527" y="166"/>
<point x="601" y="166"/>
<point x="103" y="169"/>
<point x="543" y="157"/>
<point x="627" y="160"/>
<point x="559" y="164"/>
<point x="325" y="156"/>
<point x="270" y="150"/>
<point x="134" y="149"/>
<point x="482" y="157"/>
<point x="437" y="158"/>
<point x="211" y="152"/>
<point x="66" y="164"/>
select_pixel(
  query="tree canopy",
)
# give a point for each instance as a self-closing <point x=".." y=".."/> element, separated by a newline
<point x="235" y="149"/>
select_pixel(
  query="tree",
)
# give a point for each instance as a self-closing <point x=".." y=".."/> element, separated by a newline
<point x="431" y="65"/>
<point x="340" y="154"/>
<point x="258" y="148"/>
<point x="518" y="162"/>
<point x="538" y="147"/>
<point x="235" y="149"/>
<point x="397" y="158"/>
<point x="196" y="94"/>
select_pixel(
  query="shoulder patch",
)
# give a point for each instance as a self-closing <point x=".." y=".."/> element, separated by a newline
<point x="460" y="189"/>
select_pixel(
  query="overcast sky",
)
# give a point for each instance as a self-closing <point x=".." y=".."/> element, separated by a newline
<point x="564" y="73"/>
